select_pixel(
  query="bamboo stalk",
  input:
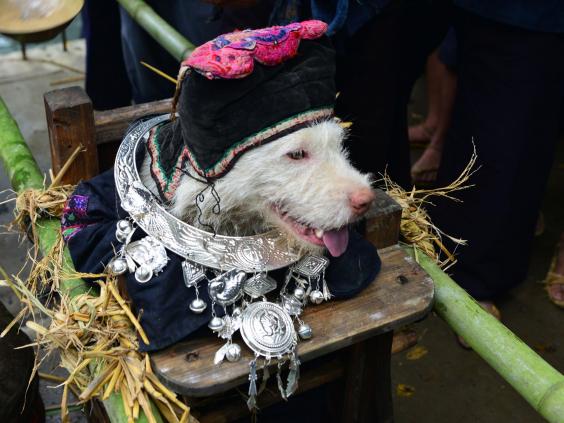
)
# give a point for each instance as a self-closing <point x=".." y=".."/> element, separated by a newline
<point x="536" y="380"/>
<point x="18" y="161"/>
<point x="164" y="34"/>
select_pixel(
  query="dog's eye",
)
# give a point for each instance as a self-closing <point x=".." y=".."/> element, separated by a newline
<point x="297" y="155"/>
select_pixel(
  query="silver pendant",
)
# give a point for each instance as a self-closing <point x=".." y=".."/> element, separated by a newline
<point x="121" y="236"/>
<point x="299" y="293"/>
<point x="124" y="229"/>
<point x="228" y="287"/>
<point x="268" y="330"/>
<point x="316" y="296"/>
<point x="117" y="266"/>
<point x="305" y="331"/>
<point x="231" y="324"/>
<point x="124" y="226"/>
<point x="143" y="274"/>
<point x="259" y="285"/>
<point x="233" y="353"/>
<point x="198" y="306"/>
<point x="291" y="304"/>
<point x="252" y="401"/>
<point x="311" y="266"/>
<point x="148" y="251"/>
<point x="192" y="274"/>
<point x="216" y="324"/>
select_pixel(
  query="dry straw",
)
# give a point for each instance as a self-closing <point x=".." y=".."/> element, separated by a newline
<point x="416" y="227"/>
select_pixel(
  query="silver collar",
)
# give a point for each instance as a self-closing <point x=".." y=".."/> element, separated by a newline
<point x="257" y="253"/>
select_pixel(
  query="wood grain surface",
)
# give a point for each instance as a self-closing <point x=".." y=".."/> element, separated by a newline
<point x="112" y="124"/>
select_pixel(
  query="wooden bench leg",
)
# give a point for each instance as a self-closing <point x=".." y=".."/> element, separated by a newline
<point x="368" y="393"/>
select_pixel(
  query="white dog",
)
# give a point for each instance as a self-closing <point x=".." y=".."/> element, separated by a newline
<point x="302" y="184"/>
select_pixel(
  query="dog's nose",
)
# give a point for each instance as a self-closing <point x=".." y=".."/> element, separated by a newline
<point x="360" y="200"/>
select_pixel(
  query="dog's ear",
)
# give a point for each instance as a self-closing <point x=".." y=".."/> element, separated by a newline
<point x="181" y="75"/>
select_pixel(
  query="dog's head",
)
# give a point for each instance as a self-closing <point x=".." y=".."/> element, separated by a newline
<point x="302" y="183"/>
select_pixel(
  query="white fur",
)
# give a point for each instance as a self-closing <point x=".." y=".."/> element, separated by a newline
<point x="314" y="191"/>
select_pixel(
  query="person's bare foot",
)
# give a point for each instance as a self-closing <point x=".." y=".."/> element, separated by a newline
<point x="425" y="169"/>
<point x="555" y="278"/>
<point x="421" y="134"/>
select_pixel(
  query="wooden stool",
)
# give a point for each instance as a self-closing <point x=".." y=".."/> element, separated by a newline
<point x="352" y="338"/>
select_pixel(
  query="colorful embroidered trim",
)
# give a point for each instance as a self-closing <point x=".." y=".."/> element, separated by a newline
<point x="269" y="134"/>
<point x="232" y="56"/>
<point x="74" y="213"/>
<point x="166" y="182"/>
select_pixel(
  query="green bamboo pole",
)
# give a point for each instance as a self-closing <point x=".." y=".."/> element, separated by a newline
<point x="164" y="34"/>
<point x="537" y="381"/>
<point x="24" y="173"/>
<point x="18" y="161"/>
<point x="116" y="412"/>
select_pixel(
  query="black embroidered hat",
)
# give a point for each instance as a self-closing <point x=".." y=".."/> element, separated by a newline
<point x="242" y="90"/>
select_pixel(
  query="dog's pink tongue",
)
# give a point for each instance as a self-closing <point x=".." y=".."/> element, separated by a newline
<point x="336" y="241"/>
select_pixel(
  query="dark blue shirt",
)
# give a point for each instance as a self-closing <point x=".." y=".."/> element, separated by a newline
<point x="344" y="16"/>
<point x="536" y="15"/>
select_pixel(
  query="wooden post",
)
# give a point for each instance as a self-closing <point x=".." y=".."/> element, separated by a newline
<point x="383" y="221"/>
<point x="70" y="121"/>
<point x="367" y="396"/>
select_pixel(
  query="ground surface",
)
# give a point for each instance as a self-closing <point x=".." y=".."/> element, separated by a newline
<point x="447" y="384"/>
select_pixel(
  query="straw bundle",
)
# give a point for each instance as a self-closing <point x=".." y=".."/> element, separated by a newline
<point x="416" y="227"/>
<point x="95" y="336"/>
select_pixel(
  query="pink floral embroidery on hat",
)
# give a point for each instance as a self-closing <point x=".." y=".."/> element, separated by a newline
<point x="232" y="56"/>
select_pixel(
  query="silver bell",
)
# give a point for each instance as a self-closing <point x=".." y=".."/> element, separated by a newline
<point x="198" y="306"/>
<point x="316" y="296"/>
<point x="124" y="226"/>
<point x="121" y="236"/>
<point x="143" y="274"/>
<point x="305" y="331"/>
<point x="233" y="353"/>
<point x="216" y="324"/>
<point x="118" y="266"/>
<point x="299" y="293"/>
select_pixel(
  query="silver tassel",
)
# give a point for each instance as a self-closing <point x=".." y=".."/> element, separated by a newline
<point x="220" y="354"/>
<point x="279" y="379"/>
<point x="293" y="375"/>
<point x="326" y="293"/>
<point x="265" y="376"/>
<point x="252" y="401"/>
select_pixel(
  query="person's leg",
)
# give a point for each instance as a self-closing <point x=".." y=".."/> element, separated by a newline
<point x="375" y="79"/>
<point x="508" y="103"/>
<point x="434" y="74"/>
<point x="555" y="279"/>
<point x="425" y="168"/>
<point x="106" y="83"/>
